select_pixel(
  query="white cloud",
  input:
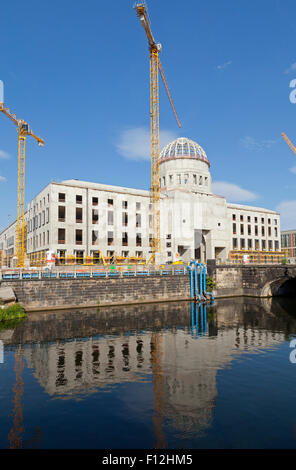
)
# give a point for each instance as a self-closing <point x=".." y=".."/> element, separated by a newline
<point x="223" y="66"/>
<point x="2" y="179"/>
<point x="257" y="145"/>
<point x="287" y="209"/>
<point x="292" y="68"/>
<point x="4" y="155"/>
<point x="134" y="143"/>
<point x="233" y="192"/>
<point x="293" y="169"/>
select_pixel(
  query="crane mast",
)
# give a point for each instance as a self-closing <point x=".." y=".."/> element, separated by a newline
<point x="155" y="66"/>
<point x="288" y="141"/>
<point x="24" y="130"/>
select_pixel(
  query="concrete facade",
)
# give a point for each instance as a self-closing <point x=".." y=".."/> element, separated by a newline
<point x="288" y="240"/>
<point x="80" y="219"/>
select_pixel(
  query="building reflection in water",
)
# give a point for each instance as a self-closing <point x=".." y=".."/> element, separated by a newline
<point x="178" y="347"/>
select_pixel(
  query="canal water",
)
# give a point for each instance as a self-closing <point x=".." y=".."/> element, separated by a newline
<point x="154" y="376"/>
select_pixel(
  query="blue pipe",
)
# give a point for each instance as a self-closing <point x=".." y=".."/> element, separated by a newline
<point x="196" y="321"/>
<point x="191" y="279"/>
<point x="205" y="293"/>
<point x="192" y="316"/>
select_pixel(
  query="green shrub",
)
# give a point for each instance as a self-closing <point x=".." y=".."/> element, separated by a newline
<point x="284" y="261"/>
<point x="210" y="284"/>
<point x="12" y="312"/>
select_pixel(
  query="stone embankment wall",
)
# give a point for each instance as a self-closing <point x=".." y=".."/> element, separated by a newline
<point x="69" y="293"/>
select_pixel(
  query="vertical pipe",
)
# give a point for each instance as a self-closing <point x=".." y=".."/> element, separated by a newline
<point x="192" y="317"/>
<point x="196" y="318"/>
<point x="201" y="318"/>
<point x="206" y="325"/>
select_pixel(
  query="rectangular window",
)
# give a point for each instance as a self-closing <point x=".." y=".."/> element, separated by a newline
<point x="256" y="230"/>
<point x="171" y="178"/>
<point x="138" y="239"/>
<point x="263" y="245"/>
<point x="110" y="217"/>
<point x="256" y="220"/>
<point x="124" y="205"/>
<point x="110" y="238"/>
<point x="233" y="217"/>
<point x="276" y="245"/>
<point x="249" y="218"/>
<point x="124" y="219"/>
<point x="269" y="221"/>
<point x="138" y="220"/>
<point x="78" y="215"/>
<point x="95" y="201"/>
<point x="186" y="178"/>
<point x="61" y="236"/>
<point x="138" y="206"/>
<point x="150" y="221"/>
<point x="139" y="254"/>
<point x="270" y="245"/>
<point x="262" y="220"/>
<point x="241" y="218"/>
<point x="95" y="216"/>
<point x="234" y="229"/>
<point x="242" y="229"/>
<point x="179" y="179"/>
<point x="78" y="199"/>
<point x="95" y="237"/>
<point x="275" y="221"/>
<point x="206" y="181"/>
<point x="249" y="230"/>
<point x="110" y="202"/>
<point x="43" y="217"/>
<point x="262" y="231"/>
<point x="234" y="243"/>
<point x="249" y="244"/>
<point x="47" y="215"/>
<point x="124" y="239"/>
<point x="269" y="231"/>
<point x="62" y="197"/>
<point x="48" y="237"/>
<point x="242" y="243"/>
<point x="257" y="245"/>
<point x="200" y="180"/>
<point x="62" y="213"/>
<point x="275" y="232"/>
<point x="78" y="237"/>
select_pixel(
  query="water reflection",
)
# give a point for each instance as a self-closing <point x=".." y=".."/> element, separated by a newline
<point x="178" y="347"/>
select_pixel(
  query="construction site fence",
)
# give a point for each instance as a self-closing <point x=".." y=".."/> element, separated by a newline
<point x="23" y="274"/>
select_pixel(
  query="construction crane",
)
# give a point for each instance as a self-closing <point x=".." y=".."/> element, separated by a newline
<point x="288" y="141"/>
<point x="24" y="130"/>
<point x="155" y="66"/>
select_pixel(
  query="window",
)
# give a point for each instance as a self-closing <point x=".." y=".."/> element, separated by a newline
<point x="169" y="236"/>
<point x="110" y="217"/>
<point x="139" y="254"/>
<point x="78" y="237"/>
<point x="110" y="238"/>
<point x="234" y="229"/>
<point x="233" y="217"/>
<point x="242" y="243"/>
<point x="179" y="179"/>
<point x="269" y="231"/>
<point x="249" y="218"/>
<point x="262" y="220"/>
<point x="263" y="245"/>
<point x="47" y="215"/>
<point x="256" y="220"/>
<point x="150" y="221"/>
<point x="171" y="179"/>
<point x="241" y="229"/>
<point x="61" y="256"/>
<point x="163" y="179"/>
<point x="241" y="218"/>
<point x="186" y="178"/>
<point x="43" y="217"/>
<point x="234" y="243"/>
<point x="138" y="239"/>
<point x="95" y="201"/>
<point x="138" y="206"/>
<point x="79" y="257"/>
<point x="169" y="244"/>
<point x="110" y="202"/>
<point x="95" y="216"/>
<point x="194" y="179"/>
<point x="138" y="220"/>
<point x="150" y="239"/>
<point x="124" y="205"/>
<point x="206" y="181"/>
<point x="276" y="245"/>
<point x="269" y="221"/>
<point x="270" y="245"/>
<point x="169" y="254"/>
<point x="200" y="180"/>
<point x="124" y="239"/>
<point x="78" y="199"/>
<point x="249" y="230"/>
<point x="256" y="230"/>
<point x="256" y="244"/>
<point x="62" y="213"/>
<point x="249" y="244"/>
<point x="275" y="221"/>
<point x="124" y="219"/>
<point x="95" y="237"/>
<point x="262" y="231"/>
<point x="62" y="197"/>
<point x="275" y="232"/>
<point x="61" y="236"/>
<point x="78" y="215"/>
<point x="47" y="236"/>
<point x="40" y="220"/>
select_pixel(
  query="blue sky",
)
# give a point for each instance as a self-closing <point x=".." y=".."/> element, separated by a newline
<point x="78" y="72"/>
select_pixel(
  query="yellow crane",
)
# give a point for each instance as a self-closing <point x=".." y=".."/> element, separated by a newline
<point x="288" y="141"/>
<point x="24" y="130"/>
<point x="155" y="66"/>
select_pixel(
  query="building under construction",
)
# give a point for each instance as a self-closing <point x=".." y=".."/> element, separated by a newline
<point x="90" y="223"/>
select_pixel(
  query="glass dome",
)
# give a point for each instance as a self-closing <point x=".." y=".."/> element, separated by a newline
<point x="183" y="148"/>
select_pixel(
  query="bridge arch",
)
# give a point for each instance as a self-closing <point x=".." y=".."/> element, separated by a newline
<point x="282" y="286"/>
